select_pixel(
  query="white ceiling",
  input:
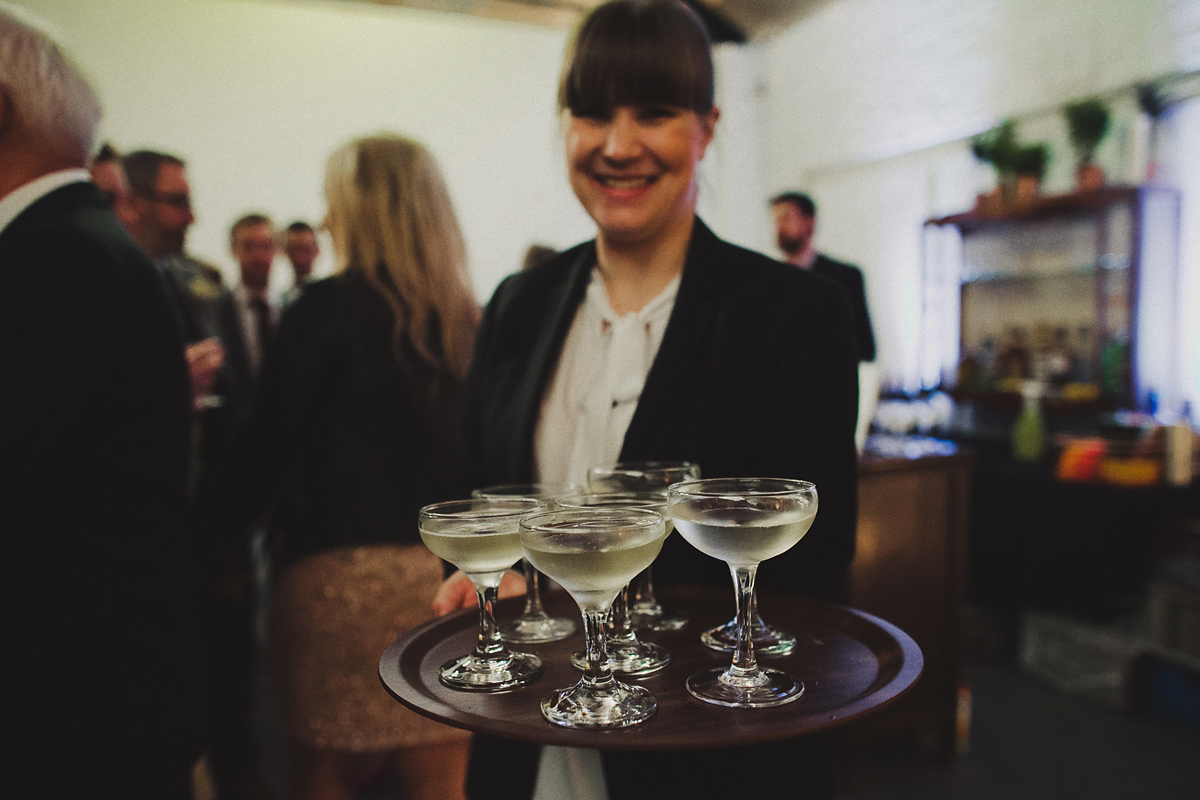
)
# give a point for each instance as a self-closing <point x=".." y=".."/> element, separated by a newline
<point x="754" y="18"/>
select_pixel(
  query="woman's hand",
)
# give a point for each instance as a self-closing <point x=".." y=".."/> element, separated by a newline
<point x="457" y="591"/>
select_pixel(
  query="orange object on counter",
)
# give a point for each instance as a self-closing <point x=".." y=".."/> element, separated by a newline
<point x="1080" y="460"/>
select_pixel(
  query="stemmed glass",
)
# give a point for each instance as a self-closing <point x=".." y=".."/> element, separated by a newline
<point x="645" y="476"/>
<point x="627" y="655"/>
<point x="743" y="521"/>
<point x="593" y="553"/>
<point x="534" y="626"/>
<point x="480" y="537"/>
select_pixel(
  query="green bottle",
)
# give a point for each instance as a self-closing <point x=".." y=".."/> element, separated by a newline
<point x="1029" y="431"/>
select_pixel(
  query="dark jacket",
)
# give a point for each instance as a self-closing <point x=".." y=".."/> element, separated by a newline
<point x="850" y="278"/>
<point x="98" y="657"/>
<point x="756" y="376"/>
<point x="341" y="443"/>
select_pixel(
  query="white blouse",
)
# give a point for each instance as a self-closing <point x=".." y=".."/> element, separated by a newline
<point x="585" y="412"/>
<point x="595" y="388"/>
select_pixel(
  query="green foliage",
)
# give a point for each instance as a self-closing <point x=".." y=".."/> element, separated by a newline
<point x="1087" y="122"/>
<point x="996" y="147"/>
<point x="1000" y="148"/>
<point x="1031" y="159"/>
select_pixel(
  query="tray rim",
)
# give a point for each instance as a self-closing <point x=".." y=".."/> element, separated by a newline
<point x="902" y="662"/>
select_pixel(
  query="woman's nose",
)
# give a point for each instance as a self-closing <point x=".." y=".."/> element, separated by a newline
<point x="622" y="140"/>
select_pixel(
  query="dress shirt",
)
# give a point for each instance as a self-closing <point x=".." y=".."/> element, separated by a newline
<point x="806" y="258"/>
<point x="248" y="317"/>
<point x="21" y="198"/>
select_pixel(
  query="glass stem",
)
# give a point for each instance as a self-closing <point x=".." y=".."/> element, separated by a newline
<point x="755" y="624"/>
<point x="643" y="591"/>
<point x="744" y="663"/>
<point x="489" y="644"/>
<point x="621" y="624"/>
<point x="596" y="674"/>
<point x="533" y="592"/>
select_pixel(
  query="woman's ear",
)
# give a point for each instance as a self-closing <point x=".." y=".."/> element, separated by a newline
<point x="708" y="127"/>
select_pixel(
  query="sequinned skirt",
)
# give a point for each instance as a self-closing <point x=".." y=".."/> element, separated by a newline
<point x="332" y="616"/>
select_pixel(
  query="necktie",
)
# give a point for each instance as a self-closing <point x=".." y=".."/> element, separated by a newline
<point x="262" y="317"/>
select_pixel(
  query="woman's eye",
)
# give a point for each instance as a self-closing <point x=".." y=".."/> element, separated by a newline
<point x="657" y="113"/>
<point x="592" y="114"/>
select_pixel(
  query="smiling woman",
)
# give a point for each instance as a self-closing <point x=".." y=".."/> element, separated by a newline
<point x="657" y="341"/>
<point x="640" y="116"/>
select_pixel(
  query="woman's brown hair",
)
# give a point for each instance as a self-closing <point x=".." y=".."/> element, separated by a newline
<point x="638" y="52"/>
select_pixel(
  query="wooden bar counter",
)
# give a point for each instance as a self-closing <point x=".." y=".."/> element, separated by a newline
<point x="909" y="569"/>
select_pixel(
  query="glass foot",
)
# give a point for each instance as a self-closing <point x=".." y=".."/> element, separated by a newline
<point x="617" y="706"/>
<point x="655" y="618"/>
<point x="768" y="641"/>
<point x="762" y="689"/>
<point x="537" y="629"/>
<point x="632" y="660"/>
<point x="476" y="674"/>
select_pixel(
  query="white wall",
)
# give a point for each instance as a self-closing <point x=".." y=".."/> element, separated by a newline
<point x="864" y="79"/>
<point x="869" y="104"/>
<point x="254" y="94"/>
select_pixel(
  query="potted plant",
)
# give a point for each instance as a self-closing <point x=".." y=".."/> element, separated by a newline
<point x="996" y="147"/>
<point x="1029" y="163"/>
<point x="1087" y="123"/>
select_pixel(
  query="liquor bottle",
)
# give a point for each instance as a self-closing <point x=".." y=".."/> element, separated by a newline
<point x="1029" y="431"/>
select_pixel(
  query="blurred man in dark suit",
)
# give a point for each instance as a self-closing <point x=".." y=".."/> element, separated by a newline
<point x="221" y="379"/>
<point x="252" y="244"/>
<point x="300" y="246"/>
<point x="98" y="663"/>
<point x="795" y="223"/>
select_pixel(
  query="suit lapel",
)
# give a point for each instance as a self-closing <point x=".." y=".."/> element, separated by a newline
<point x="560" y="313"/>
<point x="695" y="308"/>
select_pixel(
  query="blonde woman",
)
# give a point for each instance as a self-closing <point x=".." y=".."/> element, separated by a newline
<point x="354" y="428"/>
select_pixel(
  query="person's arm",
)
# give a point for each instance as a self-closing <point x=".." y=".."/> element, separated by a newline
<point x="862" y="319"/>
<point x="811" y="408"/>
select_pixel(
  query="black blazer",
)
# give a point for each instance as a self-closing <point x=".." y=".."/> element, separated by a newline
<point x="341" y="444"/>
<point x="756" y="376"/>
<point x="94" y="428"/>
<point x="850" y="278"/>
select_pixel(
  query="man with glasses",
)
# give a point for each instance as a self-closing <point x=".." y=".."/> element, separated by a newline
<point x="162" y="214"/>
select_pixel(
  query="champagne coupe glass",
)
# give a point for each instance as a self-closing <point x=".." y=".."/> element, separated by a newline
<point x="480" y="537"/>
<point x="534" y="626"/>
<point x="743" y="521"/>
<point x="627" y="655"/>
<point x="593" y="553"/>
<point x="645" y="476"/>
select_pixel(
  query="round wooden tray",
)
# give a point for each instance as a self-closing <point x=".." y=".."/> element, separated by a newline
<point x="851" y="663"/>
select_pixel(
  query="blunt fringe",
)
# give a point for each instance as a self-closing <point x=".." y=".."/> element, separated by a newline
<point x="638" y="52"/>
